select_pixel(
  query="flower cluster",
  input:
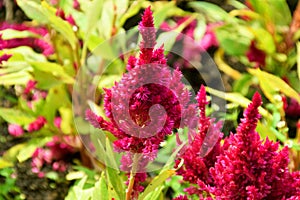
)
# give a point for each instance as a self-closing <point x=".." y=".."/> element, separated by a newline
<point x="202" y="152"/>
<point x="37" y="44"/>
<point x="246" y="167"/>
<point x="147" y="104"/>
<point x="56" y="153"/>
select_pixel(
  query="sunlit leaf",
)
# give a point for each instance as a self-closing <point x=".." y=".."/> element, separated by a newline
<point x="271" y="85"/>
<point x="15" y="116"/>
<point x="154" y="185"/>
<point x="29" y="148"/>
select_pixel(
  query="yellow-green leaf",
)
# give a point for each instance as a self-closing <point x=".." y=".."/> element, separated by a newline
<point x="271" y="85"/>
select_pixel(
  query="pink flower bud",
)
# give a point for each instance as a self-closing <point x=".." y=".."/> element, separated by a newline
<point x="15" y="130"/>
<point x="57" y="122"/>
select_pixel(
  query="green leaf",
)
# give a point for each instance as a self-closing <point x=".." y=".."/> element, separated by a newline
<point x="54" y="69"/>
<point x="238" y="99"/>
<point x="275" y="11"/>
<point x="15" y="116"/>
<point x="154" y="185"/>
<point x="67" y="119"/>
<point x="298" y="59"/>
<point x="213" y="11"/>
<point x="18" y="78"/>
<point x="100" y="191"/>
<point x="5" y="163"/>
<point x="271" y="85"/>
<point x="242" y="85"/>
<point x="13" y="34"/>
<point x="236" y="44"/>
<point x="265" y="40"/>
<point x="115" y="184"/>
<point x="11" y="154"/>
<point x="30" y="147"/>
<point x="265" y="131"/>
<point x="134" y="8"/>
<point x="57" y="97"/>
<point x="33" y="10"/>
<point x="94" y="14"/>
<point x="45" y="14"/>
<point x="167" y="39"/>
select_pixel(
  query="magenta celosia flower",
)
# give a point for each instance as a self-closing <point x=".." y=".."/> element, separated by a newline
<point x="291" y="107"/>
<point x="60" y="13"/>
<point x="76" y="5"/>
<point x="29" y="87"/>
<point x="4" y="57"/>
<point x="209" y="39"/>
<point x="56" y="153"/>
<point x="37" y="124"/>
<point x="249" y="168"/>
<point x="15" y="130"/>
<point x="256" y="55"/>
<point x="202" y="152"/>
<point x="145" y="105"/>
<point x="35" y="43"/>
<point x="22" y="27"/>
<point x="161" y="87"/>
<point x="57" y="122"/>
<point x="181" y="197"/>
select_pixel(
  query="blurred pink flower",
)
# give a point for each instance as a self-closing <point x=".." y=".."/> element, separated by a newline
<point x="37" y="124"/>
<point x="76" y="5"/>
<point x="256" y="55"/>
<point x="55" y="153"/>
<point x="4" y="57"/>
<point x="15" y="130"/>
<point x="291" y="107"/>
<point x="57" y="122"/>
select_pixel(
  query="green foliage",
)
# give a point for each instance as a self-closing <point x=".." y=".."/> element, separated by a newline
<point x="8" y="189"/>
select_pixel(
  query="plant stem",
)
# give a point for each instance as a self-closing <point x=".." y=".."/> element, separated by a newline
<point x="129" y="190"/>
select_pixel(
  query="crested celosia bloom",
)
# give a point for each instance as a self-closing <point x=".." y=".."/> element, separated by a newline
<point x="202" y="152"/>
<point x="134" y="104"/>
<point x="250" y="168"/>
<point x="143" y="93"/>
<point x="246" y="167"/>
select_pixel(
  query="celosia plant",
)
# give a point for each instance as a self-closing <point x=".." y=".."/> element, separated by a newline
<point x="149" y="83"/>
<point x="244" y="167"/>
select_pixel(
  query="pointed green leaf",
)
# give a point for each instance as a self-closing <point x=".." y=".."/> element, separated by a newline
<point x="271" y="85"/>
<point x="15" y="116"/>
<point x="154" y="185"/>
<point x="30" y="147"/>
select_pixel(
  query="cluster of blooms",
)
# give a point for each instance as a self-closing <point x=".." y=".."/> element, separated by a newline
<point x="196" y="167"/>
<point x="37" y="44"/>
<point x="17" y="130"/>
<point x="31" y="94"/>
<point x="134" y="104"/>
<point x="245" y="167"/>
<point x="55" y="153"/>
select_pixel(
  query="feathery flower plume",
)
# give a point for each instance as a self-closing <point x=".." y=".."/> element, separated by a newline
<point x="249" y="168"/>
<point x="195" y="169"/>
<point x="145" y="105"/>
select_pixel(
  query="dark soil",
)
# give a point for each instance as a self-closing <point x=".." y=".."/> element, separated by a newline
<point x="35" y="188"/>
